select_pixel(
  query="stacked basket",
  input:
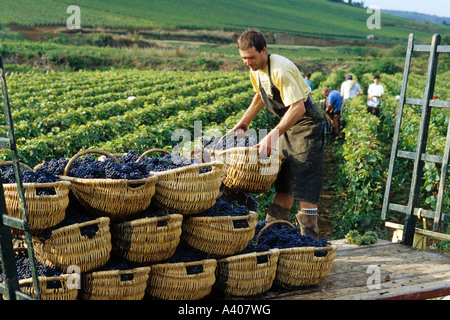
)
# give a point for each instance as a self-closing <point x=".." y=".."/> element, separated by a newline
<point x="301" y="266"/>
<point x="44" y="211"/>
<point x="219" y="236"/>
<point x="247" y="274"/>
<point x="174" y="281"/>
<point x="186" y="190"/>
<point x="117" y="199"/>
<point x="147" y="240"/>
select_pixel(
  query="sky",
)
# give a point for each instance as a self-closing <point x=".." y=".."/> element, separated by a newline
<point x="439" y="8"/>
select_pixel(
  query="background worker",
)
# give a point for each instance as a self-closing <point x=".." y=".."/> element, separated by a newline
<point x="333" y="108"/>
<point x="350" y="88"/>
<point x="308" y="81"/>
<point x="373" y="96"/>
<point x="280" y="88"/>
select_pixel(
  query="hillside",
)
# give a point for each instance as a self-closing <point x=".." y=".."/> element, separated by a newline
<point x="420" y="17"/>
<point x="319" y="19"/>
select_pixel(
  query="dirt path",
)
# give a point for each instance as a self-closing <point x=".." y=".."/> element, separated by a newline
<point x="328" y="195"/>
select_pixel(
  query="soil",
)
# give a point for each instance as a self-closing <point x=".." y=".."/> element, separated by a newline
<point x="328" y="195"/>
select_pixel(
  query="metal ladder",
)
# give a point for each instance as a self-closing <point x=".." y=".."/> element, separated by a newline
<point x="411" y="209"/>
<point x="10" y="286"/>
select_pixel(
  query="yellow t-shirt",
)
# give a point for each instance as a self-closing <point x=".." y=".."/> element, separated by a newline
<point x="285" y="76"/>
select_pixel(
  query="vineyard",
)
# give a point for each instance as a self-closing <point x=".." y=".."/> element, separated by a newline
<point x="57" y="114"/>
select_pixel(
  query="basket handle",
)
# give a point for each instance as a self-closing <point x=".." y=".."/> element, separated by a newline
<point x="267" y="226"/>
<point x="150" y="151"/>
<point x="224" y="136"/>
<point x="10" y="163"/>
<point x="83" y="152"/>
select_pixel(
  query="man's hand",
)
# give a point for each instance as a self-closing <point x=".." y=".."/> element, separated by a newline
<point x="267" y="144"/>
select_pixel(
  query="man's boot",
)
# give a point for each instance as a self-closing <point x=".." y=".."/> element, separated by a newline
<point x="277" y="212"/>
<point x="308" y="222"/>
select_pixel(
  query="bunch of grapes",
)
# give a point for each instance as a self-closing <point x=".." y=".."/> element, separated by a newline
<point x="282" y="236"/>
<point x="224" y="208"/>
<point x="170" y="161"/>
<point x="71" y="217"/>
<point x="90" y="168"/>
<point x="184" y="253"/>
<point x="56" y="166"/>
<point x="245" y="199"/>
<point x="24" y="268"/>
<point x="229" y="142"/>
<point x="41" y="175"/>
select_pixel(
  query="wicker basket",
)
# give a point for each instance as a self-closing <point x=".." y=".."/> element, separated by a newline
<point x="147" y="240"/>
<point x="185" y="190"/>
<point x="51" y="288"/>
<point x="117" y="199"/>
<point x="218" y="235"/>
<point x="299" y="266"/>
<point x="173" y="281"/>
<point x="246" y="171"/>
<point x="115" y="284"/>
<point x="68" y="246"/>
<point x="247" y="274"/>
<point x="44" y="211"/>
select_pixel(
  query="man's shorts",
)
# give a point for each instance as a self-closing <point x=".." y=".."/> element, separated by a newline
<point x="301" y="174"/>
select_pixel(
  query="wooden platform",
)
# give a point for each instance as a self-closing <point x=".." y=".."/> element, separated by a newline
<point x="384" y="270"/>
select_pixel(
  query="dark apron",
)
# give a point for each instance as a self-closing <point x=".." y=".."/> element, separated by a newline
<point x="301" y="174"/>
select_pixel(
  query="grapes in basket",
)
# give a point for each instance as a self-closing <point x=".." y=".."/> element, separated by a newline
<point x="282" y="237"/>
<point x="41" y="175"/>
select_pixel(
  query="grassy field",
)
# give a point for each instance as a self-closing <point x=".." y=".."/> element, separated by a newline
<point x="311" y="18"/>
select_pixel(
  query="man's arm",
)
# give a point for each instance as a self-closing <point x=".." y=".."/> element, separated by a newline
<point x="256" y="105"/>
<point x="290" y="118"/>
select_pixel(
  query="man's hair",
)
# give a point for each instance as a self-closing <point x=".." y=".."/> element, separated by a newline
<point x="376" y="77"/>
<point x="251" y="38"/>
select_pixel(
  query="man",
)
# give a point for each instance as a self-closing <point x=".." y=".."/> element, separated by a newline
<point x="350" y="88"/>
<point x="373" y="96"/>
<point x="280" y="87"/>
<point x="333" y="108"/>
<point x="308" y="80"/>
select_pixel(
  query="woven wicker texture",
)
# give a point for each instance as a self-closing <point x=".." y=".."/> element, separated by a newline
<point x="44" y="211"/>
<point x="246" y="171"/>
<point x="51" y="288"/>
<point x="219" y="236"/>
<point x="298" y="266"/>
<point x="118" y="199"/>
<point x="172" y="281"/>
<point x="186" y="190"/>
<point x="67" y="246"/>
<point x="147" y="240"/>
<point x="115" y="284"/>
<point x="247" y="274"/>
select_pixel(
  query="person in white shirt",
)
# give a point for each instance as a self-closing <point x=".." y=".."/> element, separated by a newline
<point x="373" y="96"/>
<point x="350" y="88"/>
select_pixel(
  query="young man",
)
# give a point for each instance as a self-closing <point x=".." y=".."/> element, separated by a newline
<point x="333" y="108"/>
<point x="280" y="88"/>
<point x="373" y="96"/>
